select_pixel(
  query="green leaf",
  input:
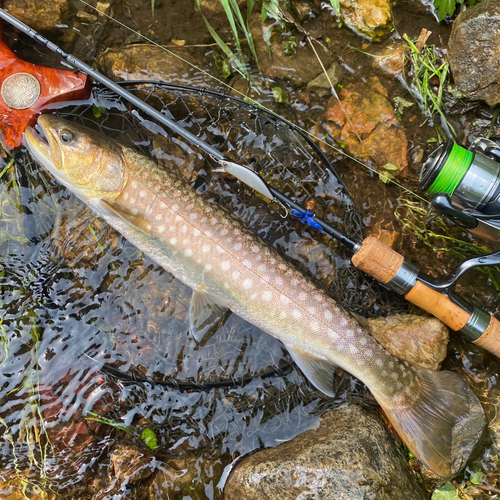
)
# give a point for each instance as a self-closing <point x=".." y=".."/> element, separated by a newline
<point x="336" y="6"/>
<point x="476" y="476"/>
<point x="446" y="491"/>
<point x="391" y="167"/>
<point x="149" y="438"/>
<point x="280" y="96"/>
<point x="444" y="8"/>
<point x="384" y="176"/>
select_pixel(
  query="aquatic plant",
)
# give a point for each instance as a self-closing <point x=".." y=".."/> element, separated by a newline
<point x="445" y="8"/>
<point x="237" y="23"/>
<point x="427" y="79"/>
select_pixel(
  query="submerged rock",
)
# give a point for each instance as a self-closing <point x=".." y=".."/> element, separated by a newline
<point x="42" y="16"/>
<point x="152" y="63"/>
<point x="351" y="455"/>
<point x="371" y="19"/>
<point x="365" y="123"/>
<point x="419" y="340"/>
<point x="474" y="52"/>
<point x="322" y="84"/>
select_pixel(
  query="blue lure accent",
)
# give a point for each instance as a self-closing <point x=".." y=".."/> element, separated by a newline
<point x="306" y="218"/>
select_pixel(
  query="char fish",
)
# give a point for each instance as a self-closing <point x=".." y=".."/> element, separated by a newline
<point x="228" y="267"/>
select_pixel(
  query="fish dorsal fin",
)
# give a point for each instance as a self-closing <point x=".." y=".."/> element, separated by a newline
<point x="119" y="211"/>
<point x="319" y="371"/>
<point x="204" y="314"/>
<point x="364" y="323"/>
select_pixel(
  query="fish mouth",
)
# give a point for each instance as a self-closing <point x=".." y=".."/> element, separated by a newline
<point x="43" y="147"/>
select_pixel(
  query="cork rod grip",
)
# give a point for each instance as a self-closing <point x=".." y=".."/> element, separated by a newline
<point x="490" y="339"/>
<point x="377" y="260"/>
<point x="438" y="305"/>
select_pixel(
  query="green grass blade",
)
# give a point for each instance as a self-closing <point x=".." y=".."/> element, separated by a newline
<point x="245" y="28"/>
<point x="230" y="17"/>
<point x="336" y="6"/>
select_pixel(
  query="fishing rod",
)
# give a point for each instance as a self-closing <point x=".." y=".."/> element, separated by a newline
<point x="371" y="255"/>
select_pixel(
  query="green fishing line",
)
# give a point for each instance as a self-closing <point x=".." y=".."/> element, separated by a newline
<point x="453" y="171"/>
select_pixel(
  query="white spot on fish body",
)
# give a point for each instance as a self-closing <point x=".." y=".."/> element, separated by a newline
<point x="247" y="283"/>
<point x="384" y="373"/>
<point x="294" y="282"/>
<point x="178" y="218"/>
<point x="188" y="252"/>
<point x="267" y="296"/>
<point x="328" y="315"/>
<point x="237" y="246"/>
<point x="161" y="229"/>
<point x="391" y="365"/>
<point x="208" y="267"/>
<point x="205" y="248"/>
<point x="226" y="285"/>
<point x="311" y="310"/>
<point x="190" y="206"/>
<point x="142" y="193"/>
<point x="223" y="232"/>
<point x="219" y="249"/>
<point x="353" y="349"/>
<point x="369" y="353"/>
<point x="184" y="229"/>
<point x="209" y="233"/>
<point x="262" y="268"/>
<point x="149" y="227"/>
<point x="254" y="296"/>
<point x="349" y="334"/>
<point x="282" y="267"/>
<point x="279" y="281"/>
<point x="163" y="206"/>
<point x="255" y="248"/>
<point x="284" y="299"/>
<point x="196" y="233"/>
<point x="283" y="314"/>
<point x="394" y="375"/>
<point x="314" y="326"/>
<point x="296" y="314"/>
<point x="133" y="200"/>
<point x="193" y="216"/>
<point x="302" y="296"/>
<point x="125" y="196"/>
<point x="225" y="265"/>
<point x="247" y="263"/>
<point x="134" y="184"/>
<point x="159" y="217"/>
<point x="236" y="275"/>
<point x="229" y="241"/>
<point x="173" y="241"/>
<point x="379" y="363"/>
<point x="213" y="221"/>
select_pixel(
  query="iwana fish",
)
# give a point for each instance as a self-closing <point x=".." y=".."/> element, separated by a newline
<point x="230" y="268"/>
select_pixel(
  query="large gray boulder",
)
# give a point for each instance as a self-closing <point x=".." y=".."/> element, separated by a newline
<point x="351" y="455"/>
<point x="474" y="52"/>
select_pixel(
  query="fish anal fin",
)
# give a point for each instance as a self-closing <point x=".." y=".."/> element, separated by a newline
<point x="204" y="314"/>
<point x="319" y="371"/>
<point x="119" y="211"/>
<point x="441" y="423"/>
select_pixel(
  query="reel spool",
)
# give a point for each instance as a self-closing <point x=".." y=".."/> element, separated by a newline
<point x="465" y="185"/>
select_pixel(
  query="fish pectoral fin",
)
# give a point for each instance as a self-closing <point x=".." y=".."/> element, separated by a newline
<point x="364" y="323"/>
<point x="119" y="211"/>
<point x="204" y="314"/>
<point x="319" y="371"/>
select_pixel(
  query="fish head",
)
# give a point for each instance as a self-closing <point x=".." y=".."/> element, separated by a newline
<point x="81" y="159"/>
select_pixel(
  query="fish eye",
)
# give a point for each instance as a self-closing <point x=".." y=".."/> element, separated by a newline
<point x="67" y="136"/>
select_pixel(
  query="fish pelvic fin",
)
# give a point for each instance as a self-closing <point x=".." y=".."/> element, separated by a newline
<point x="205" y="314"/>
<point x="319" y="371"/>
<point x="120" y="212"/>
<point x="441" y="423"/>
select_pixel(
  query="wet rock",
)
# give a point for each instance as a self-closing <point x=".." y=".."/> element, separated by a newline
<point x="209" y="7"/>
<point x="390" y="60"/>
<point x="86" y="17"/>
<point x="366" y="124"/>
<point x="131" y="464"/>
<point x="474" y="52"/>
<point x="280" y="57"/>
<point x="41" y="16"/>
<point x="149" y="62"/>
<point x="322" y="84"/>
<point x="350" y="456"/>
<point x="419" y="340"/>
<point x="20" y="486"/>
<point x="371" y="19"/>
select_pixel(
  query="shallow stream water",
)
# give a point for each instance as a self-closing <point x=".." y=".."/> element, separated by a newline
<point x="83" y="311"/>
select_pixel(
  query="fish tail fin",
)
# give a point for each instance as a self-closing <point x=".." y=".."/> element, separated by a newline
<point x="441" y="423"/>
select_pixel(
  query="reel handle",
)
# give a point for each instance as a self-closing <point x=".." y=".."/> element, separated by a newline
<point x="390" y="268"/>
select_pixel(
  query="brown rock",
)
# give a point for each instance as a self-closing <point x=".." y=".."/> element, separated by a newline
<point x="474" y="52"/>
<point x="351" y="455"/>
<point x="41" y="16"/>
<point x="131" y="464"/>
<point x="421" y="341"/>
<point x="371" y="19"/>
<point x="390" y="60"/>
<point x="365" y="122"/>
<point x="149" y="62"/>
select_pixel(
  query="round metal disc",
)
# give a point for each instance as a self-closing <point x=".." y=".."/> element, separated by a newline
<point x="20" y="91"/>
